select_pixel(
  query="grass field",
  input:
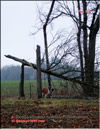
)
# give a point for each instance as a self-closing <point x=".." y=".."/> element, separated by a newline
<point x="11" y="88"/>
<point x="57" y="113"/>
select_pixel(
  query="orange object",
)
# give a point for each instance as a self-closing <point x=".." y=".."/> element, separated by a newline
<point x="45" y="90"/>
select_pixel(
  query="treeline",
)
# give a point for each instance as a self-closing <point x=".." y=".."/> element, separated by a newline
<point x="10" y="73"/>
<point x="14" y="72"/>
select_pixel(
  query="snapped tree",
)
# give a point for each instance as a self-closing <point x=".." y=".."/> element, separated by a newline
<point x="82" y="50"/>
<point x="86" y="35"/>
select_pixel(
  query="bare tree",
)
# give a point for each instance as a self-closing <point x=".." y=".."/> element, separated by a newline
<point x="89" y="33"/>
<point x="79" y="43"/>
<point x="84" y="51"/>
<point x="46" y="42"/>
<point x="26" y="63"/>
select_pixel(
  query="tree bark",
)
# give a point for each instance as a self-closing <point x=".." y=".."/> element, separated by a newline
<point x="92" y="43"/>
<point x="47" y="58"/>
<point x="79" y="44"/>
<point x="85" y="40"/>
<point x="89" y="54"/>
<point x="39" y="83"/>
<point x="46" y="43"/>
<point x="86" y="56"/>
<point x="21" y="92"/>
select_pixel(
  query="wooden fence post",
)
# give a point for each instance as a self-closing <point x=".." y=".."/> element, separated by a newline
<point x="21" y="84"/>
<point x="39" y="84"/>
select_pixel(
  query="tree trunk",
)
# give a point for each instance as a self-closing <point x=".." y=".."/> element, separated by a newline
<point x="39" y="83"/>
<point x="89" y="54"/>
<point x="45" y="42"/>
<point x="79" y="44"/>
<point x="47" y="59"/>
<point x="85" y="41"/>
<point x="86" y="57"/>
<point x="21" y="92"/>
<point x="92" y="42"/>
<point x="81" y="56"/>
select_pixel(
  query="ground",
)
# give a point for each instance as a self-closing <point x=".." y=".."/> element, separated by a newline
<point x="49" y="113"/>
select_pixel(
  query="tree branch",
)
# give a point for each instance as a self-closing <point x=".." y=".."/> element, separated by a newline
<point x="48" y="72"/>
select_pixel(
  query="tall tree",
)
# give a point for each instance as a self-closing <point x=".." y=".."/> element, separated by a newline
<point x="79" y="43"/>
<point x="46" y="42"/>
<point x="89" y="37"/>
<point x="89" y="50"/>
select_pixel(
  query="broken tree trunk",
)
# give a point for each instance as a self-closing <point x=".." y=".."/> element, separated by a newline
<point x="39" y="84"/>
<point x="49" y="72"/>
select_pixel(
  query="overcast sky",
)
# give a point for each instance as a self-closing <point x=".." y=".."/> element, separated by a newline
<point x="17" y="21"/>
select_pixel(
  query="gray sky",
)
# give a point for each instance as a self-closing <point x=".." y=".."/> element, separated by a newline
<point x="17" y="21"/>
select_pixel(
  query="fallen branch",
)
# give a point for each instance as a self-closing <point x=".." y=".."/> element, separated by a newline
<point x="26" y="63"/>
